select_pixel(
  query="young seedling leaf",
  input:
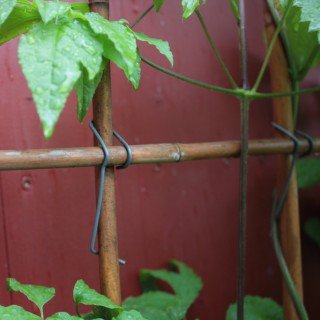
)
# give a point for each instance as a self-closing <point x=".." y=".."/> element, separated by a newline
<point x="85" y="89"/>
<point x="63" y="316"/>
<point x="16" y="313"/>
<point x="83" y="294"/>
<point x="190" y="6"/>
<point x="158" y="4"/>
<point x="312" y="229"/>
<point x="6" y="7"/>
<point x="161" y="45"/>
<point x="52" y="56"/>
<point x="308" y="172"/>
<point x="50" y="10"/>
<point x="161" y="305"/>
<point x="39" y="295"/>
<point x="24" y="15"/>
<point x="257" y="308"/>
<point x="130" y="315"/>
<point x="119" y="45"/>
<point x="157" y="305"/>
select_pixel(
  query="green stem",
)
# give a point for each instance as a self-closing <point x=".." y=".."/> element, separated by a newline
<point x="261" y="95"/>
<point x="231" y="92"/>
<point x="216" y="51"/>
<point x="144" y="13"/>
<point x="271" y="46"/>
<point x="240" y="93"/>
<point x="286" y="273"/>
<point x="295" y="101"/>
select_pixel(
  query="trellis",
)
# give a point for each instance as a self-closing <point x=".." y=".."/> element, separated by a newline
<point x="156" y="153"/>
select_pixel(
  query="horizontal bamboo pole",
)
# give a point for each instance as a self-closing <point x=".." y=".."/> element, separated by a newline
<point x="142" y="154"/>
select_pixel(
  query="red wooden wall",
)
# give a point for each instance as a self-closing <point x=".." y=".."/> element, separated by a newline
<point x="187" y="211"/>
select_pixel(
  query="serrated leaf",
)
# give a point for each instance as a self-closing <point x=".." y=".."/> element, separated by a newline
<point x="158" y="4"/>
<point x="185" y="283"/>
<point x="308" y="172"/>
<point x="156" y="305"/>
<point x="16" y="313"/>
<point x="162" y="46"/>
<point x="24" y="15"/>
<point x="161" y="305"/>
<point x="63" y="316"/>
<point x="51" y="56"/>
<point x="85" y="89"/>
<point x="310" y="12"/>
<point x="257" y="308"/>
<point x="303" y="45"/>
<point x="312" y="229"/>
<point x="50" y="10"/>
<point x="6" y="7"/>
<point x="190" y="6"/>
<point x="39" y="295"/>
<point x="119" y="45"/>
<point x="83" y="294"/>
<point x="130" y="315"/>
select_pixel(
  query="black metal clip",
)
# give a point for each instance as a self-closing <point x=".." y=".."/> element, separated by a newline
<point x="103" y="168"/>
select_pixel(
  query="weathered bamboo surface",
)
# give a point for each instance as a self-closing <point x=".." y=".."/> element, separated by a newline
<point x="142" y="154"/>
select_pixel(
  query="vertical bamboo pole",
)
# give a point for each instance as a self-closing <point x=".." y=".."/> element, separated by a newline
<point x="108" y="241"/>
<point x="290" y="224"/>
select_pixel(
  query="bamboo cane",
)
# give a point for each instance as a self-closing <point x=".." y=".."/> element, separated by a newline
<point x="142" y="154"/>
<point x="108" y="241"/>
<point x="290" y="224"/>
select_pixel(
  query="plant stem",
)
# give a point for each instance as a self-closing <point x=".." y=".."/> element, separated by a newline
<point x="231" y="92"/>
<point x="286" y="274"/>
<point x="295" y="102"/>
<point x="271" y="46"/>
<point x="144" y="13"/>
<point x="216" y="51"/>
<point x="267" y="95"/>
<point x="240" y="93"/>
<point x="244" y="104"/>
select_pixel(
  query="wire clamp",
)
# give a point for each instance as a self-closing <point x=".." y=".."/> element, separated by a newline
<point x="103" y="168"/>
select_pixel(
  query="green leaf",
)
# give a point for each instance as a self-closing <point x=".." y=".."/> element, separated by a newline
<point x="308" y="172"/>
<point x="312" y="229"/>
<point x="257" y="308"/>
<point x="80" y="6"/>
<point x="39" y="295"/>
<point x="62" y="316"/>
<point x="6" y="7"/>
<point x="303" y="45"/>
<point x="85" y="89"/>
<point x="185" y="283"/>
<point x="24" y="15"/>
<point x="16" y="313"/>
<point x="310" y="13"/>
<point x="190" y="6"/>
<point x="157" y="305"/>
<point x="83" y="294"/>
<point x="130" y="315"/>
<point x="161" y="305"/>
<point x="119" y="45"/>
<point x="235" y="9"/>
<point x="158" y="4"/>
<point x="162" y="46"/>
<point x="50" y="10"/>
<point x="52" y="56"/>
